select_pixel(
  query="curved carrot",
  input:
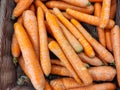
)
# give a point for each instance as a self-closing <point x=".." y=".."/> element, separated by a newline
<point x="30" y="57"/>
<point x="30" y="23"/>
<point x="113" y="9"/>
<point x="20" y="7"/>
<point x="75" y="61"/>
<point x="102" y="52"/>
<point x="93" y="20"/>
<point x="32" y="8"/>
<point x="95" y="0"/>
<point x="105" y="13"/>
<point x="47" y="86"/>
<point x="63" y="6"/>
<point x="44" y="51"/>
<point x="115" y="34"/>
<point x="86" y="46"/>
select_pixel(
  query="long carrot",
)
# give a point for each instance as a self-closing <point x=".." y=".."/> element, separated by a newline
<point x="20" y="7"/>
<point x="105" y="13"/>
<point x="30" y="57"/>
<point x="77" y="64"/>
<point x="47" y="86"/>
<point x="113" y="8"/>
<point x="32" y="8"/>
<point x="86" y="46"/>
<point x="115" y="34"/>
<point x="95" y="61"/>
<point x="79" y="3"/>
<point x="44" y="51"/>
<point x="102" y="52"/>
<point x="30" y="23"/>
<point x="93" y="20"/>
<point x="101" y="32"/>
<point x="95" y="0"/>
<point x="57" y="62"/>
<point x="55" y="48"/>
<point x="63" y="6"/>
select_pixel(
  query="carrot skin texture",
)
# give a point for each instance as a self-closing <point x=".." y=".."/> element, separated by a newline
<point x="77" y="64"/>
<point x="30" y="57"/>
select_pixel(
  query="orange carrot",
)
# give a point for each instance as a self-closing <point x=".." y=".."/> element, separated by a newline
<point x="102" y="52"/>
<point x="30" y="23"/>
<point x="30" y="57"/>
<point x="79" y="3"/>
<point x="113" y="8"/>
<point x="93" y="20"/>
<point x="115" y="34"/>
<point x="20" y="20"/>
<point x="108" y="40"/>
<point x="73" y="58"/>
<point x="16" y="1"/>
<point x="63" y="6"/>
<point x="57" y="62"/>
<point x="47" y="86"/>
<point x="95" y="61"/>
<point x="95" y="0"/>
<point x="101" y="32"/>
<point x="86" y="46"/>
<point x="103" y="86"/>
<point x="55" y="48"/>
<point x="32" y="8"/>
<point x="44" y="51"/>
<point x="20" y="7"/>
<point x="105" y="13"/>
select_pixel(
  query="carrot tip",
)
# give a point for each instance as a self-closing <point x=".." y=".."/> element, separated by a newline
<point x="15" y="61"/>
<point x="13" y="17"/>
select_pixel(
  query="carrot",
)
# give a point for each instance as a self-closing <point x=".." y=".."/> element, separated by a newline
<point x="73" y="58"/>
<point x="105" y="13"/>
<point x="48" y="28"/>
<point x="113" y="9"/>
<point x="93" y="20"/>
<point x="30" y="23"/>
<point x="95" y="61"/>
<point x="47" y="86"/>
<point x="86" y="46"/>
<point x="16" y="1"/>
<point x="79" y="3"/>
<point x="44" y="51"/>
<point x="55" y="48"/>
<point x="30" y="57"/>
<point x="108" y="40"/>
<point x="20" y="7"/>
<point x="20" y="20"/>
<point x="102" y="52"/>
<point x="57" y="62"/>
<point x="95" y="0"/>
<point x="32" y="8"/>
<point x="38" y="3"/>
<point x="115" y="34"/>
<point x="63" y="6"/>
<point x="101" y="32"/>
<point x="103" y="86"/>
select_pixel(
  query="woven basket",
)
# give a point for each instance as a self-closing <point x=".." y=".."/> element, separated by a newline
<point x="8" y="72"/>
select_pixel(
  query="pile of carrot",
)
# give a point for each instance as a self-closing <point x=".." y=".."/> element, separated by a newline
<point x="53" y="26"/>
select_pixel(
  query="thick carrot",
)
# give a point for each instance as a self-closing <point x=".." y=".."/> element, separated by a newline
<point x="108" y="40"/>
<point x="102" y="52"/>
<point x="103" y="86"/>
<point x="113" y="9"/>
<point x="105" y="13"/>
<point x="101" y="32"/>
<point x="86" y="46"/>
<point x="73" y="58"/>
<point x="95" y="0"/>
<point x="20" y="7"/>
<point x="57" y="62"/>
<point x="95" y="61"/>
<point x="55" y="48"/>
<point x="32" y="8"/>
<point x="93" y="20"/>
<point x="115" y="34"/>
<point x="30" y="57"/>
<point x="20" y="20"/>
<point x="30" y="23"/>
<point x="38" y="3"/>
<point x="63" y="6"/>
<point x="47" y="86"/>
<point x="79" y="3"/>
<point x="43" y="42"/>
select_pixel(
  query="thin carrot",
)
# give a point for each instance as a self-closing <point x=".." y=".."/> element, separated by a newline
<point x="47" y="86"/>
<point x="90" y="19"/>
<point x="20" y="7"/>
<point x="73" y="58"/>
<point x="102" y="52"/>
<point x="115" y="34"/>
<point x="30" y="57"/>
<point x="79" y="3"/>
<point x="57" y="62"/>
<point x="95" y="0"/>
<point x="108" y="40"/>
<point x="95" y="61"/>
<point x="20" y="20"/>
<point x="32" y="8"/>
<point x="113" y="9"/>
<point x="86" y="46"/>
<point x="30" y="24"/>
<point x="63" y="6"/>
<point x="43" y="42"/>
<point x="55" y="48"/>
<point x="105" y="13"/>
<point x="101" y="32"/>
